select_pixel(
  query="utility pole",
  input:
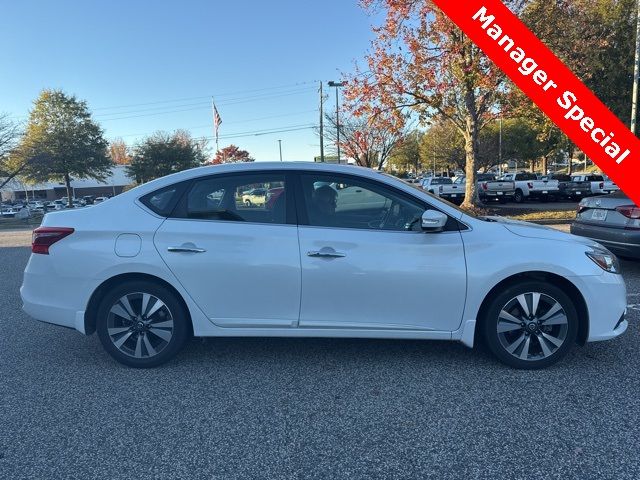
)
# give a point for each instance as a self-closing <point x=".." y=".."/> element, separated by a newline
<point x="280" y="145"/>
<point x="636" y="74"/>
<point x="321" y="125"/>
<point x="337" y="85"/>
<point x="500" y="149"/>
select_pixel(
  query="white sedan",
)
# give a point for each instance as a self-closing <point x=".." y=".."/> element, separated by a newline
<point x="159" y="263"/>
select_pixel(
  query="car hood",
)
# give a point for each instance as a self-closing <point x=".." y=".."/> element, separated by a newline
<point x="533" y="230"/>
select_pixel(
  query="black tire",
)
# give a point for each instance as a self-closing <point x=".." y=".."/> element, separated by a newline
<point x="518" y="197"/>
<point x="172" y="310"/>
<point x="541" y="355"/>
<point x="247" y="203"/>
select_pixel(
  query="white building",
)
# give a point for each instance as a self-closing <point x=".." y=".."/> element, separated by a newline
<point x="112" y="185"/>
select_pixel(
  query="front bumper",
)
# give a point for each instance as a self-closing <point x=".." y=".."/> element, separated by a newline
<point x="606" y="299"/>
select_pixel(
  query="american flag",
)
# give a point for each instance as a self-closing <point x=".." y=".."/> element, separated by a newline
<point x="217" y="121"/>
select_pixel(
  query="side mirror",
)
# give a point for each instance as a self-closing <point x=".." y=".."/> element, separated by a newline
<point x="433" y="221"/>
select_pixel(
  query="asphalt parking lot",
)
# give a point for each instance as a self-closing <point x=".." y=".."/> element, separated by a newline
<point x="309" y="408"/>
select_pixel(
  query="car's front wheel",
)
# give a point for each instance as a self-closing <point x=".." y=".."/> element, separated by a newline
<point x="530" y="325"/>
<point x="142" y="324"/>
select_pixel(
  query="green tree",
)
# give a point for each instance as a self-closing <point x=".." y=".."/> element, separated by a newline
<point x="165" y="153"/>
<point x="595" y="39"/>
<point x="62" y="142"/>
<point x="9" y="136"/>
<point x="519" y="142"/>
<point x="406" y="154"/>
<point x="442" y="147"/>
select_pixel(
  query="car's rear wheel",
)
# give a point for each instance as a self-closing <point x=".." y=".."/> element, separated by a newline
<point x="142" y="324"/>
<point x="530" y="325"/>
<point x="518" y="197"/>
<point x="247" y="203"/>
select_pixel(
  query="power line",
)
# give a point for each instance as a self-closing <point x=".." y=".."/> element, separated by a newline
<point x="208" y="125"/>
<point x="292" y="89"/>
<point x="203" y="106"/>
<point x="218" y="95"/>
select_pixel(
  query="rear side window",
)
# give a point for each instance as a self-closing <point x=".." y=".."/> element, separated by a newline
<point x="162" y="201"/>
<point x="256" y="198"/>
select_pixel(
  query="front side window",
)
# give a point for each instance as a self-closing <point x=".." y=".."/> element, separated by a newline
<point x="258" y="198"/>
<point x="345" y="202"/>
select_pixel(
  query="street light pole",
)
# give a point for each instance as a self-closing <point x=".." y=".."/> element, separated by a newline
<point x="321" y="125"/>
<point x="636" y="74"/>
<point x="500" y="149"/>
<point x="337" y="85"/>
<point x="280" y="146"/>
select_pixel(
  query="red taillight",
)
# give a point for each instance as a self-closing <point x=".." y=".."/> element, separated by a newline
<point x="530" y="185"/>
<point x="601" y="185"/>
<point x="485" y="186"/>
<point x="629" y="211"/>
<point x="43" y="237"/>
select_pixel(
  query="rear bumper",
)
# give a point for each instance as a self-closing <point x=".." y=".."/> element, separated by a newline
<point x="452" y="196"/>
<point x="625" y="243"/>
<point x="504" y="194"/>
<point x="61" y="301"/>
<point x="542" y="194"/>
<point x="53" y="314"/>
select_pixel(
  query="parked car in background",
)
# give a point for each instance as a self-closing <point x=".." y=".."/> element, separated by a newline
<point x="569" y="188"/>
<point x="599" y="185"/>
<point x="432" y="184"/>
<point x="88" y="199"/>
<point x="490" y="189"/>
<point x="612" y="220"/>
<point x="164" y="263"/>
<point x="100" y="200"/>
<point x="8" y="212"/>
<point x="254" y="197"/>
<point x="527" y="186"/>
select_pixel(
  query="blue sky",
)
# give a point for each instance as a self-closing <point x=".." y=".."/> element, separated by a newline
<point x="144" y="66"/>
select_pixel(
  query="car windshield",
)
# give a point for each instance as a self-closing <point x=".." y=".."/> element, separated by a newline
<point x="441" y="181"/>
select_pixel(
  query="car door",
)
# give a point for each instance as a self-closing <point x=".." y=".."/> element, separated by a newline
<point x="239" y="263"/>
<point x="367" y="264"/>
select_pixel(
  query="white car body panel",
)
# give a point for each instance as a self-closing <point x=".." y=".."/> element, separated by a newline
<point x="358" y="290"/>
<point x="249" y="275"/>
<point x="389" y="284"/>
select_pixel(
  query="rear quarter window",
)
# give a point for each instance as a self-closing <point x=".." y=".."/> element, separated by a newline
<point x="163" y="201"/>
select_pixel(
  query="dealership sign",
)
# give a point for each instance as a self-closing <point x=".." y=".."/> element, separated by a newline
<point x="552" y="86"/>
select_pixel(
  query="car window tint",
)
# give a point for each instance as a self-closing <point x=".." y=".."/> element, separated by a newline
<point x="161" y="201"/>
<point x="345" y="202"/>
<point x="241" y="198"/>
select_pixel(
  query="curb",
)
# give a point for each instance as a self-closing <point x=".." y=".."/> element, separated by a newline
<point x="552" y="221"/>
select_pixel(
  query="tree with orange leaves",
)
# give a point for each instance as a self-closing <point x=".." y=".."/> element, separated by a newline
<point x="422" y="64"/>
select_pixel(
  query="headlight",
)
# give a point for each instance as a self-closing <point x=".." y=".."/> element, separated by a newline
<point x="605" y="260"/>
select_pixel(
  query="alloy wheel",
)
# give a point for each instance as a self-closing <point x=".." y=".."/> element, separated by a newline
<point x="140" y="325"/>
<point x="532" y="326"/>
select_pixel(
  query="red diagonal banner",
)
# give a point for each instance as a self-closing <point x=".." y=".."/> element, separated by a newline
<point x="552" y="86"/>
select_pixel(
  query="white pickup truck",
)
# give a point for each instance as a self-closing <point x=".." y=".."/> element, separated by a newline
<point x="445" y="188"/>
<point x="600" y="185"/>
<point x="528" y="186"/>
<point x="491" y="189"/>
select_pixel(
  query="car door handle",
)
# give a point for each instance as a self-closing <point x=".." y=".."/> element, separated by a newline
<point x="326" y="254"/>
<point x="185" y="249"/>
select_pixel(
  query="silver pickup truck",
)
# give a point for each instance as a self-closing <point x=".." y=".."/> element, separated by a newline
<point x="528" y="186"/>
<point x="491" y="189"/>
